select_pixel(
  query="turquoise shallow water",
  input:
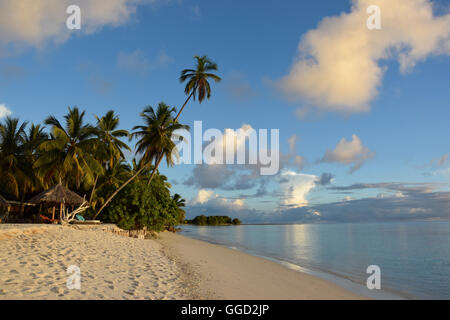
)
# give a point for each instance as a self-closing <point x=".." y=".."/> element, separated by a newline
<point x="414" y="257"/>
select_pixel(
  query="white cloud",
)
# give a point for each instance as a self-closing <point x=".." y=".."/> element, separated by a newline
<point x="4" y="111"/>
<point x="204" y="196"/>
<point x="296" y="187"/>
<point x="36" y="22"/>
<point x="210" y="198"/>
<point x="349" y="152"/>
<point x="338" y="67"/>
<point x="317" y="213"/>
<point x="229" y="140"/>
<point x="419" y="210"/>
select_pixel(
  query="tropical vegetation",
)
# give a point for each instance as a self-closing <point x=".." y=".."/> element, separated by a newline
<point x="96" y="161"/>
<point x="213" y="221"/>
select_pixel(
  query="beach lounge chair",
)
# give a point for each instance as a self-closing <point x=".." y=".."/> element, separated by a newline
<point x="80" y="220"/>
<point x="47" y="220"/>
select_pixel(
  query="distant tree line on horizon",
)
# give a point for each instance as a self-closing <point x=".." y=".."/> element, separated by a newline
<point x="90" y="159"/>
<point x="213" y="221"/>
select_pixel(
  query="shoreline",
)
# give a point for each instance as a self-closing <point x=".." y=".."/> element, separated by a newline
<point x="170" y="267"/>
<point x="337" y="279"/>
<point x="227" y="274"/>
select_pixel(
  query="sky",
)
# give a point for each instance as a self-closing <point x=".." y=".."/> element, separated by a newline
<point x="363" y="114"/>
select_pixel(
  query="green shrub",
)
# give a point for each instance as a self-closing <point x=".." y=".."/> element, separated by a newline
<point x="139" y="205"/>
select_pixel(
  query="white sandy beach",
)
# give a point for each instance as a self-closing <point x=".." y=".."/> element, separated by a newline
<point x="34" y="266"/>
<point x="34" y="261"/>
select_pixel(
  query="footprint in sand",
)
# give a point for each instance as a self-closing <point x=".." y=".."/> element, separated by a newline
<point x="58" y="290"/>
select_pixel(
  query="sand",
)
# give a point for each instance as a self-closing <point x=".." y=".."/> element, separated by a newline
<point x="229" y="274"/>
<point x="34" y="261"/>
<point x="34" y="266"/>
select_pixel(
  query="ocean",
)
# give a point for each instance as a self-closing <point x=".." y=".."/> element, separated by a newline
<point x="413" y="257"/>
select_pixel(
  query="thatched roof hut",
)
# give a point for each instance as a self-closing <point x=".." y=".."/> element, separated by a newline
<point x="56" y="195"/>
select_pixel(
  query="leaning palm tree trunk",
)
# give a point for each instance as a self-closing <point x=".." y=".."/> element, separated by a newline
<point x="93" y="189"/>
<point x="155" y="169"/>
<point x="118" y="190"/>
<point x="184" y="105"/>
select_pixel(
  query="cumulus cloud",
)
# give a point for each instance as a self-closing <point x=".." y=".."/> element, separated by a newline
<point x="209" y="199"/>
<point x="209" y="176"/>
<point x="37" y="22"/>
<point x="246" y="170"/>
<point x="204" y="196"/>
<point x="288" y="186"/>
<point x="400" y="202"/>
<point x="296" y="187"/>
<point x="434" y="206"/>
<point x="339" y="64"/>
<point x="4" y="111"/>
<point x="349" y="152"/>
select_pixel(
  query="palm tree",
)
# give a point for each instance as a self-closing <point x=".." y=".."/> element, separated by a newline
<point x="34" y="138"/>
<point x="157" y="135"/>
<point x="13" y="165"/>
<point x="110" y="151"/>
<point x="155" y="142"/>
<point x="179" y="200"/>
<point x="69" y="154"/>
<point x="113" y="177"/>
<point x="197" y="80"/>
<point x="137" y="165"/>
<point x="180" y="203"/>
<point x="109" y="136"/>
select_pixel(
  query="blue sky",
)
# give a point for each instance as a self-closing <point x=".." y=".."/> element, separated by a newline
<point x="129" y="54"/>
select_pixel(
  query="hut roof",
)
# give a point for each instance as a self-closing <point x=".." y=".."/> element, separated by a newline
<point x="3" y="201"/>
<point x="58" y="194"/>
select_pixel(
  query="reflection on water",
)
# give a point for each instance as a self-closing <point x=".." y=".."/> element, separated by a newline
<point x="414" y="257"/>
